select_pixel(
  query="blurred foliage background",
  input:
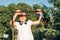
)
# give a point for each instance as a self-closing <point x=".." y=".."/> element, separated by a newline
<point x="48" y="29"/>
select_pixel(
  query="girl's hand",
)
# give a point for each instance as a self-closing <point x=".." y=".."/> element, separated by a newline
<point x="38" y="11"/>
<point x="18" y="12"/>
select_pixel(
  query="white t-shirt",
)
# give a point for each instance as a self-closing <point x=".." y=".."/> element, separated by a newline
<point x="24" y="31"/>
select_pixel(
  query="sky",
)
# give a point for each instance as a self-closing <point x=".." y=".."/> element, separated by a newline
<point x="30" y="2"/>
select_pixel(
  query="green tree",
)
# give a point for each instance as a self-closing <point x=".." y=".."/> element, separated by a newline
<point x="37" y="6"/>
<point x="12" y="7"/>
<point x="24" y="6"/>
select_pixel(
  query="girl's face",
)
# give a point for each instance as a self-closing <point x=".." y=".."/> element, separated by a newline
<point x="23" y="17"/>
